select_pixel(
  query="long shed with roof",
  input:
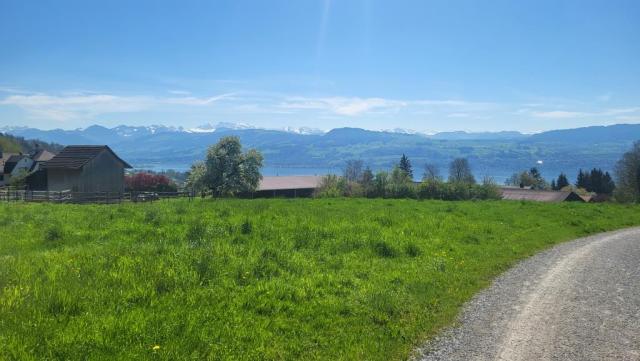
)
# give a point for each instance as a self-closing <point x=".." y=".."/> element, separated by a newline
<point x="86" y="168"/>
<point x="520" y="194"/>
<point x="288" y="186"/>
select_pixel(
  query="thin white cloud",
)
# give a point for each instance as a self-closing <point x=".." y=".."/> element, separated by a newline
<point x="179" y="92"/>
<point x="342" y="105"/>
<point x="197" y="101"/>
<point x="71" y="107"/>
<point x="557" y="114"/>
<point x="458" y="115"/>
<point x="617" y="111"/>
<point x="563" y="114"/>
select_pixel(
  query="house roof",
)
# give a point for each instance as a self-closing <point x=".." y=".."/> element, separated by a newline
<point x="76" y="156"/>
<point x="42" y="156"/>
<point x="520" y="194"/>
<point x="587" y="197"/>
<point x="289" y="182"/>
<point x="12" y="161"/>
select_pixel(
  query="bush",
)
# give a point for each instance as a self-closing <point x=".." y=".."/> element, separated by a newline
<point x="329" y="187"/>
<point x="148" y="182"/>
<point x="384" y="250"/>
<point x="53" y="234"/>
<point x="457" y="191"/>
<point x="246" y="227"/>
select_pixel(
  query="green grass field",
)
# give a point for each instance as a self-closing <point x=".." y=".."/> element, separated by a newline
<point x="260" y="279"/>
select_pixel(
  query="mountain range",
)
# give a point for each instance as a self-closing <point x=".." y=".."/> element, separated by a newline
<point x="311" y="151"/>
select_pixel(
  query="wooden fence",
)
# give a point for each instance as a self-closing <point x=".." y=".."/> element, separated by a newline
<point x="67" y="196"/>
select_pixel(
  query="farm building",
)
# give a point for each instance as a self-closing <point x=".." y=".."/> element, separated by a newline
<point x="288" y="186"/>
<point x="86" y="168"/>
<point x="522" y="194"/>
<point x="42" y="156"/>
<point x="14" y="165"/>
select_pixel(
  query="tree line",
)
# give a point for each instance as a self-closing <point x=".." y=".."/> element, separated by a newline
<point x="594" y="181"/>
<point x="360" y="181"/>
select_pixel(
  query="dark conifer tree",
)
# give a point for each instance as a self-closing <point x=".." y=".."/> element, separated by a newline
<point x="405" y="165"/>
<point x="562" y="181"/>
<point x="583" y="180"/>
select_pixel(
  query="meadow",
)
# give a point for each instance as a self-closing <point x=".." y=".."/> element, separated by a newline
<point x="311" y="279"/>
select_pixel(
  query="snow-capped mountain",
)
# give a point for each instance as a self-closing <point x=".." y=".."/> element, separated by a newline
<point x="304" y="130"/>
<point x="210" y="128"/>
<point x="133" y="131"/>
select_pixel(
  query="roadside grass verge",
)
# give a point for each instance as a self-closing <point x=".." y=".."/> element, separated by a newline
<point x="260" y="279"/>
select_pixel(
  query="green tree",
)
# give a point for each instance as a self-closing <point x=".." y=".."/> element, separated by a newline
<point x="531" y="178"/>
<point x="583" y="180"/>
<point x="353" y="170"/>
<point x="596" y="180"/>
<point x="405" y="166"/>
<point x="19" y="180"/>
<point x="367" y="182"/>
<point x="627" y="173"/>
<point x="460" y="171"/>
<point x="431" y="172"/>
<point x="561" y="182"/>
<point x="329" y="187"/>
<point x="401" y="184"/>
<point x="195" y="176"/>
<point x="229" y="171"/>
<point x="380" y="184"/>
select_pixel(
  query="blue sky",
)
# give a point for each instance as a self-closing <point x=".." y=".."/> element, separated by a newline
<point x="421" y="65"/>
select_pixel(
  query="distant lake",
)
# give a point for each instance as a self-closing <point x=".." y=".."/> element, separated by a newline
<point x="268" y="171"/>
<point x="498" y="175"/>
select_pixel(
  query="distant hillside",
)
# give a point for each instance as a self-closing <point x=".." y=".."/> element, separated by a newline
<point x="591" y="135"/>
<point x="14" y="144"/>
<point x="459" y="135"/>
<point x="494" y="154"/>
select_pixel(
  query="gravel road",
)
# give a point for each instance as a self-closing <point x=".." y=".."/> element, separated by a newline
<point x="577" y="301"/>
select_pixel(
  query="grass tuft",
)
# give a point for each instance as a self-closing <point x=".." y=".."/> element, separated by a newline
<point x="384" y="249"/>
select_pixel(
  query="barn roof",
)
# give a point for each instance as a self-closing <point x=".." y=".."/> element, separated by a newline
<point x="520" y="194"/>
<point x="289" y="182"/>
<point x="42" y="156"/>
<point x="76" y="156"/>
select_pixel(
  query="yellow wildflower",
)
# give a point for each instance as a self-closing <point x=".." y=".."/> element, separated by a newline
<point x="156" y="348"/>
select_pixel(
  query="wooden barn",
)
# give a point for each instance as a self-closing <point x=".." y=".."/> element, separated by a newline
<point x="86" y="168"/>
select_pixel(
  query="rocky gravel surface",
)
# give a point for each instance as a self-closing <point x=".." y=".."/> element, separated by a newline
<point x="577" y="301"/>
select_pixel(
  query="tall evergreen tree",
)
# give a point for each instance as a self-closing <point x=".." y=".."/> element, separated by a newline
<point x="553" y="185"/>
<point x="582" y="181"/>
<point x="405" y="166"/>
<point x="562" y="181"/>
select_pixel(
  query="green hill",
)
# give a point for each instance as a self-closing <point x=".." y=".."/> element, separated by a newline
<point x="13" y="144"/>
<point x="9" y="144"/>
